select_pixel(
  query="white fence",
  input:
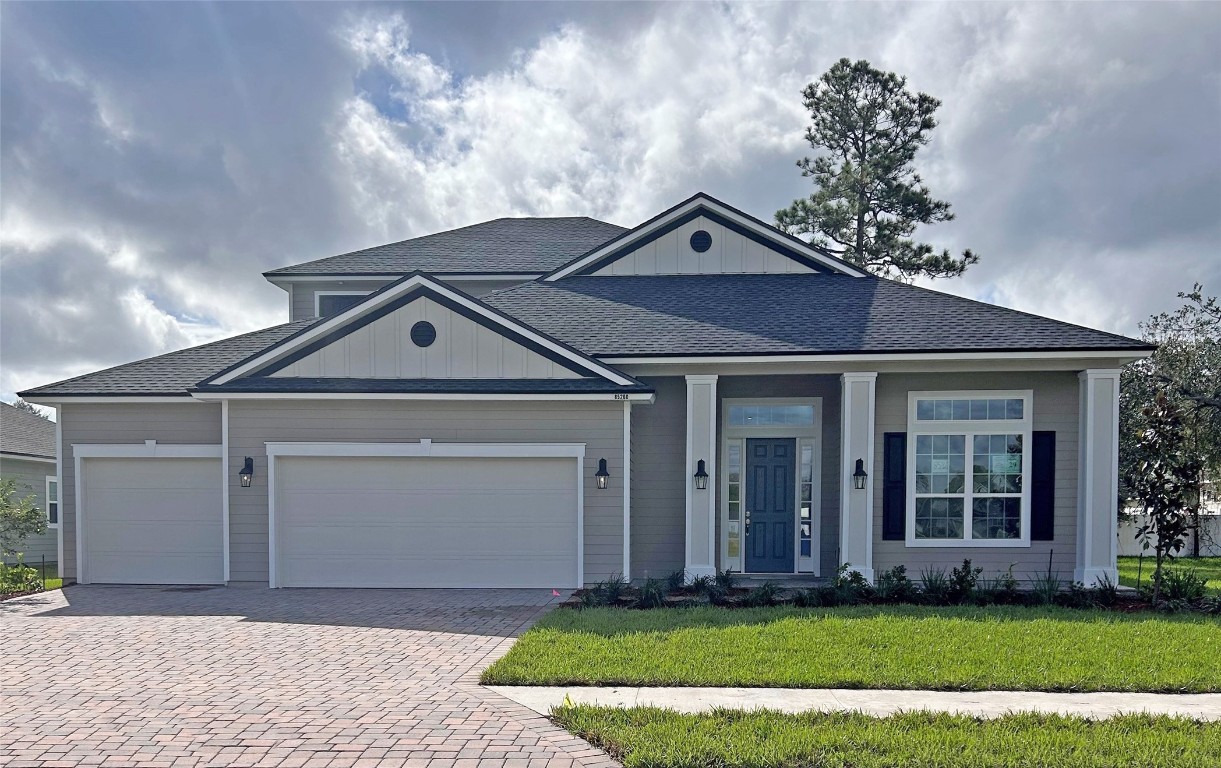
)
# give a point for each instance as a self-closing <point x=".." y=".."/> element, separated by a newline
<point x="1210" y="537"/>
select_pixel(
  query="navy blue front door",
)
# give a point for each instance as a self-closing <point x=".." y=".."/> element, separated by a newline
<point x="770" y="497"/>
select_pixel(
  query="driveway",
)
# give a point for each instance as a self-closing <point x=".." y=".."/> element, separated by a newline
<point x="247" y="676"/>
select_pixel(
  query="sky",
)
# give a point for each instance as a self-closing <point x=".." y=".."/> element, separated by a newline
<point x="156" y="158"/>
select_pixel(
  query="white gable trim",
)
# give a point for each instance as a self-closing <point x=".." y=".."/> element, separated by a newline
<point x="389" y="294"/>
<point x="702" y="201"/>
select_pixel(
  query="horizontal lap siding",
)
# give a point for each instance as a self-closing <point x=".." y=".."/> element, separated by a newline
<point x="824" y="386"/>
<point x="190" y="422"/>
<point x="659" y="449"/>
<point x="31" y="479"/>
<point x="1055" y="409"/>
<point x="599" y="425"/>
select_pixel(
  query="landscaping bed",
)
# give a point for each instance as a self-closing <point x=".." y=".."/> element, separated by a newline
<point x="666" y="739"/>
<point x="902" y="646"/>
<point x="1137" y="572"/>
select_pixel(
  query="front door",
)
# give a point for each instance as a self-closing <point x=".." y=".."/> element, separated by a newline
<point x="770" y="513"/>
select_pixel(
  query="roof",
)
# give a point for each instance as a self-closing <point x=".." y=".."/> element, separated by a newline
<point x="506" y="246"/>
<point x="693" y="315"/>
<point x="172" y="373"/>
<point x="25" y="433"/>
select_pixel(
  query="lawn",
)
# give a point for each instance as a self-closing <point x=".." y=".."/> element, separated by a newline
<point x="1206" y="567"/>
<point x="908" y="647"/>
<point x="667" y="739"/>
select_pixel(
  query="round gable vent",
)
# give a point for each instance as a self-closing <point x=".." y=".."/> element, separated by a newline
<point x="700" y="241"/>
<point x="423" y="333"/>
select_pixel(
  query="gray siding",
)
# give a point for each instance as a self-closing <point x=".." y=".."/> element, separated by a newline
<point x="826" y="387"/>
<point x="190" y="422"/>
<point x="597" y="424"/>
<point x="31" y="478"/>
<point x="301" y="295"/>
<point x="1055" y="408"/>
<point x="659" y="448"/>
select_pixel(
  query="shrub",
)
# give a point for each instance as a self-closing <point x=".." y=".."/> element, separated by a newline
<point x="894" y="587"/>
<point x="19" y="578"/>
<point x="1183" y="585"/>
<point x="1001" y="590"/>
<point x="652" y="594"/>
<point x="675" y="581"/>
<point x="701" y="585"/>
<point x="848" y="587"/>
<point x="935" y="586"/>
<point x="809" y="598"/>
<point x="767" y="593"/>
<point x="1076" y="596"/>
<point x="962" y="581"/>
<point x="612" y="589"/>
<point x="725" y="579"/>
<point x="1106" y="591"/>
<point x="1044" y="588"/>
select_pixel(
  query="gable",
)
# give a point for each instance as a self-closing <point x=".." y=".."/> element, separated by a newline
<point x="461" y="349"/>
<point x="727" y="251"/>
<point x="703" y="236"/>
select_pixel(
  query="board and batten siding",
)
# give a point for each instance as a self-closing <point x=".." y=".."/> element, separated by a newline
<point x="1055" y="409"/>
<point x="302" y="296"/>
<point x="190" y="422"/>
<point x="463" y="349"/>
<point x="729" y="254"/>
<point x="31" y="479"/>
<point x="597" y="424"/>
<point x="797" y="386"/>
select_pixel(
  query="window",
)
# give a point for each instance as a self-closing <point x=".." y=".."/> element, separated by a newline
<point x="733" y="462"/>
<point x="333" y="303"/>
<point x="968" y="482"/>
<point x="771" y="415"/>
<point x="52" y="502"/>
<point x="806" y="517"/>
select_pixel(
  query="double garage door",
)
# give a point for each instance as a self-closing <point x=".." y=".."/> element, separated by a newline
<point x="343" y="521"/>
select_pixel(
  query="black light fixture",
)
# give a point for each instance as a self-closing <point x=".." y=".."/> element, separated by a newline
<point x="860" y="475"/>
<point x="602" y="476"/>
<point x="247" y="472"/>
<point x="701" y="476"/>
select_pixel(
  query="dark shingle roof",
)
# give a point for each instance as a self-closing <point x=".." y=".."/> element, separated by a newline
<point x="172" y="373"/>
<point x="778" y="314"/>
<point x="532" y="246"/>
<point x="470" y="386"/>
<point x="24" y="433"/>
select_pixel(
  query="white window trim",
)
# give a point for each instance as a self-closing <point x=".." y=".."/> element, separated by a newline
<point x="810" y="435"/>
<point x="319" y="294"/>
<point x="424" y="448"/>
<point x="1023" y="426"/>
<point x="47" y="491"/>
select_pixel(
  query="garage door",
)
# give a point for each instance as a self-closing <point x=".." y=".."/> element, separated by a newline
<point x="153" y="521"/>
<point x="426" y="522"/>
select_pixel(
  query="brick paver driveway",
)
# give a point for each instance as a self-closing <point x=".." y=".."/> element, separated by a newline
<point x="244" y="676"/>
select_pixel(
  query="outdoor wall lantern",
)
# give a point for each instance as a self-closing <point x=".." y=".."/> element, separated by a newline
<point x="860" y="475"/>
<point x="602" y="476"/>
<point x="247" y="472"/>
<point x="701" y="476"/>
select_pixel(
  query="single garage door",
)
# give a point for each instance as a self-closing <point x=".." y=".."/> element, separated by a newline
<point x="153" y="521"/>
<point x="426" y="522"/>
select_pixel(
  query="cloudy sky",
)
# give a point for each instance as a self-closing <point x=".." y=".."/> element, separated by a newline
<point x="155" y="158"/>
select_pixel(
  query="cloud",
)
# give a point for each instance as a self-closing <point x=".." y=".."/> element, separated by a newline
<point x="156" y="158"/>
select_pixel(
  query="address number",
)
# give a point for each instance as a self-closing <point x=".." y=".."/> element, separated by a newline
<point x="620" y="395"/>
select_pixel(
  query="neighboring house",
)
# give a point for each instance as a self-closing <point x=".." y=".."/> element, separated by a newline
<point x="551" y="402"/>
<point x="27" y="456"/>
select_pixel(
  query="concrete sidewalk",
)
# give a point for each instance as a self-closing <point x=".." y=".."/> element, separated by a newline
<point x="1201" y="706"/>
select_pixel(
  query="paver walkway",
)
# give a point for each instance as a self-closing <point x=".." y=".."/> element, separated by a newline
<point x="246" y="676"/>
<point x="1201" y="706"/>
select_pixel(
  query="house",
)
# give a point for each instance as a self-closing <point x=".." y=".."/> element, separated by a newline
<point x="27" y="457"/>
<point x="551" y="402"/>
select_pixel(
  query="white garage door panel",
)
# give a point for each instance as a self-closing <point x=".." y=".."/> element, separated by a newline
<point x="426" y="522"/>
<point x="153" y="521"/>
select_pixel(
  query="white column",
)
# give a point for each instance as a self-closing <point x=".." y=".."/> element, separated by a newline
<point x="701" y="505"/>
<point x="1097" y="476"/>
<point x="856" y="442"/>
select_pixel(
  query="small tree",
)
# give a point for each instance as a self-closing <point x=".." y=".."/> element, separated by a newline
<point x="1167" y="484"/>
<point x="22" y="405"/>
<point x="20" y="518"/>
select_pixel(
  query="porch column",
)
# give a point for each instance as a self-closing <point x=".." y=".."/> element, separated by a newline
<point x="856" y="442"/>
<point x="1097" y="476"/>
<point x="701" y="505"/>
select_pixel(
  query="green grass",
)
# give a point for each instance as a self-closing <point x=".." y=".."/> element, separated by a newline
<point x="1206" y="567"/>
<point x="667" y="739"/>
<point x="909" y="647"/>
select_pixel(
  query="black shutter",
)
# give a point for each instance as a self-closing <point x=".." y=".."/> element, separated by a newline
<point x="1043" y="486"/>
<point x="894" y="486"/>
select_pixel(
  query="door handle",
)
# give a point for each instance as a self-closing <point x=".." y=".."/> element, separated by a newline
<point x="747" y="521"/>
